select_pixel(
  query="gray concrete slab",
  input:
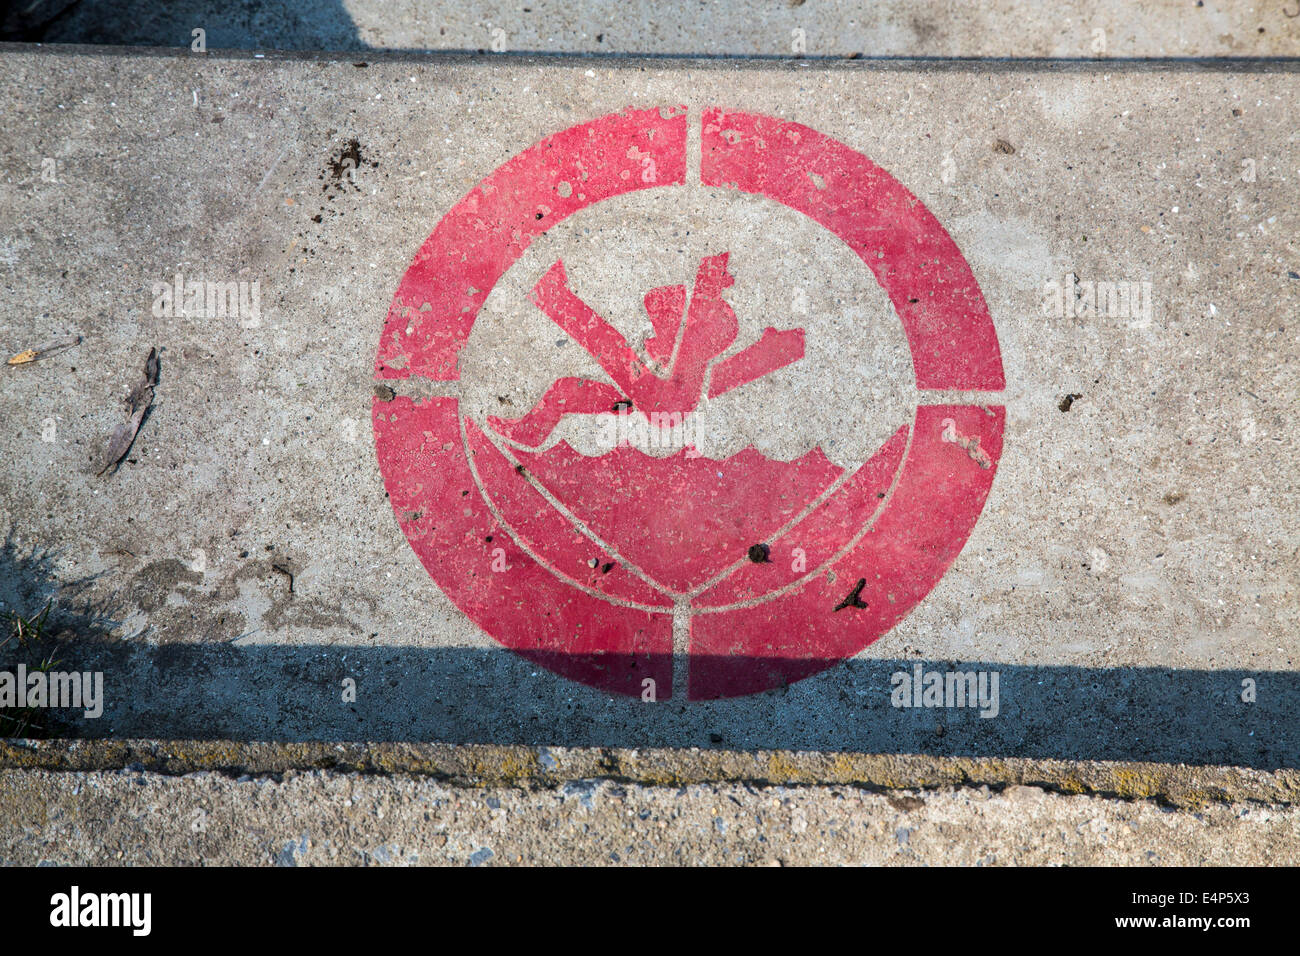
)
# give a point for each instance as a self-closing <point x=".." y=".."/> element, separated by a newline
<point x="133" y="818"/>
<point x="822" y="28"/>
<point x="1132" y="572"/>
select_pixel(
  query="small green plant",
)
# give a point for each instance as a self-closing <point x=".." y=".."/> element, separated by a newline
<point x="27" y="644"/>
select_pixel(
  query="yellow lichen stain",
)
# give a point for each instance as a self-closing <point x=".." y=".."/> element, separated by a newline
<point x="844" y="769"/>
<point x="486" y="765"/>
<point x="782" y="769"/>
<point x="1135" y="784"/>
<point x="503" y="765"/>
<point x="1068" y="783"/>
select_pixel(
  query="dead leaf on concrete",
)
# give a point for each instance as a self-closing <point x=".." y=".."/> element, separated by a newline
<point x="31" y="355"/>
<point x="138" y="402"/>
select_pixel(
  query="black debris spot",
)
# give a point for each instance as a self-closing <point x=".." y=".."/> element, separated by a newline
<point x="362" y="65"/>
<point x="384" y="393"/>
<point x="520" y="470"/>
<point x="340" y="169"/>
<point x="621" y="404"/>
<point x="760" y="554"/>
<point x="317" y="218"/>
<point x="1293" y="275"/>
<point x="488" y="539"/>
<point x="504" y="400"/>
<point x="855" y="597"/>
<point x="1065" y="403"/>
<point x="540" y="215"/>
<point x="880" y="494"/>
<point x="607" y="567"/>
<point x="715" y="738"/>
<point x="905" y="804"/>
<point x="286" y="572"/>
<point x="1002" y="146"/>
<point x="349" y="155"/>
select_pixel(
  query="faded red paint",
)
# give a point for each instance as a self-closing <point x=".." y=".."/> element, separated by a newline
<point x="954" y="344"/>
<point x="682" y="525"/>
<point x="484" y="233"/>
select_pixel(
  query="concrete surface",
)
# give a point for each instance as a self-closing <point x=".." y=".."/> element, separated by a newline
<point x="1134" y="564"/>
<point x="1123" y="608"/>
<point x="480" y="765"/>
<point x="831" y="28"/>
<point x="319" y="818"/>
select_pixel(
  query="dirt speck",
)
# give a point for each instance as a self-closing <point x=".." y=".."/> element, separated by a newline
<point x="905" y="804"/>
<point x="349" y="155"/>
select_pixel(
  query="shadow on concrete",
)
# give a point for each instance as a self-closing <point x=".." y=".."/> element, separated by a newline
<point x="30" y="581"/>
<point x="41" y="617"/>
<point x="228" y="25"/>
<point x="326" y="27"/>
<point x="474" y="695"/>
<point x="274" y="692"/>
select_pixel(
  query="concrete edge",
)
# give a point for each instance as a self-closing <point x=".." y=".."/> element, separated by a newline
<point x="638" y="61"/>
<point x="485" y="765"/>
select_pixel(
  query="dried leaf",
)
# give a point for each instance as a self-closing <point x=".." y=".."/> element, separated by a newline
<point x="138" y="401"/>
<point x="31" y="355"/>
<point x="118" y="444"/>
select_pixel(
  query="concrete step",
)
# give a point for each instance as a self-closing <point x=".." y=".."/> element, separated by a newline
<point x="753" y="28"/>
<point x="135" y="818"/>
<point x="1089" y="501"/>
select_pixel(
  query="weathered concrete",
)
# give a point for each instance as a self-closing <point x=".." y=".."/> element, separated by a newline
<point x="1135" y="562"/>
<point x="489" y="765"/>
<point x="742" y="28"/>
<point x="135" y="817"/>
